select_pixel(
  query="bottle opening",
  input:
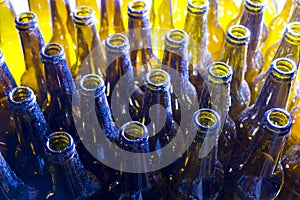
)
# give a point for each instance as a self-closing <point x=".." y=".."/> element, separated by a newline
<point x="52" y="50"/>
<point x="133" y="135"/>
<point x="277" y="122"/>
<point x="206" y="121"/>
<point x="157" y="80"/>
<point x="21" y="98"/>
<point x="138" y="8"/>
<point x="83" y="15"/>
<point x="59" y="142"/>
<point x="197" y="6"/>
<point x="176" y="39"/>
<point x="219" y="73"/>
<point x="283" y="69"/>
<point x="292" y="33"/>
<point x="116" y="43"/>
<point x="91" y="84"/>
<point x="52" y="53"/>
<point x="255" y="5"/>
<point x="238" y="35"/>
<point x="21" y="94"/>
<point x="26" y="21"/>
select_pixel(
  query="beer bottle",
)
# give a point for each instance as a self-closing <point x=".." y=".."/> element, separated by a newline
<point x="202" y="176"/>
<point x="260" y="174"/>
<point x="70" y="178"/>
<point x="8" y="137"/>
<point x="94" y="4"/>
<point x="121" y="90"/>
<point x="142" y="56"/>
<point x="42" y="10"/>
<point x="179" y="13"/>
<point x="138" y="183"/>
<point x="12" y="187"/>
<point x="227" y="11"/>
<point x="89" y="54"/>
<point x="32" y="130"/>
<point x="215" y="32"/>
<point x="32" y="41"/>
<point x="9" y="40"/>
<point x="161" y="14"/>
<point x="216" y="96"/>
<point x="63" y="28"/>
<point x="236" y="43"/>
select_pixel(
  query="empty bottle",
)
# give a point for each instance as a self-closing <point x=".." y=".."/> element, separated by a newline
<point x="161" y="14"/>
<point x="94" y="4"/>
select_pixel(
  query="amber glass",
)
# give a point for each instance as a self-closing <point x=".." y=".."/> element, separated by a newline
<point x="227" y="10"/>
<point x="63" y="28"/>
<point x="42" y="10"/>
<point x="260" y="168"/>
<point x="9" y="40"/>
<point x="89" y="54"/>
<point x="95" y="6"/>
<point x="179" y="13"/>
<point x="161" y="14"/>
<point x="32" y="41"/>
<point x="234" y="54"/>
<point x="202" y="175"/>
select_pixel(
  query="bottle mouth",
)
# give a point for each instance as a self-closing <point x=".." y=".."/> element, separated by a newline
<point x="60" y="146"/>
<point x="138" y="9"/>
<point x="176" y="39"/>
<point x="83" y="15"/>
<point x="26" y="21"/>
<point x="207" y="122"/>
<point x="219" y="73"/>
<point x="158" y="80"/>
<point x="52" y="53"/>
<point x="277" y="122"/>
<point x="238" y="35"/>
<point x="197" y="6"/>
<point x="255" y="6"/>
<point x="117" y="43"/>
<point x="91" y="85"/>
<point x="133" y="135"/>
<point x="292" y="33"/>
<point x="283" y="69"/>
<point x="21" y="99"/>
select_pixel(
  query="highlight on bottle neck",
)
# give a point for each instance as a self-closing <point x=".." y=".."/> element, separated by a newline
<point x="219" y="73"/>
<point x="283" y="69"/>
<point x="238" y="35"/>
<point x="52" y="53"/>
<point x="2" y="60"/>
<point x="206" y="122"/>
<point x="59" y="147"/>
<point x="292" y="33"/>
<point x="277" y="122"/>
<point x="26" y="21"/>
<point x="134" y="135"/>
<point x="91" y="85"/>
<point x="255" y="6"/>
<point x="83" y="15"/>
<point x="138" y="9"/>
<point x="116" y="44"/>
<point x="197" y="6"/>
<point x="21" y="99"/>
<point x="158" y="80"/>
<point x="176" y="40"/>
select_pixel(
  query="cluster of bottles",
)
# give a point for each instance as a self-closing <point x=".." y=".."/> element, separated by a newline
<point x="228" y="109"/>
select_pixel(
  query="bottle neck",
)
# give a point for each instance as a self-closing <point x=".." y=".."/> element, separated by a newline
<point x="295" y="16"/>
<point x="7" y="81"/>
<point x="213" y="11"/>
<point x="60" y="10"/>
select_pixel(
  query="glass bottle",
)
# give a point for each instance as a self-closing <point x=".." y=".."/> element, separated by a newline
<point x="161" y="14"/>
<point x="196" y="28"/>
<point x="216" y="96"/>
<point x="70" y="179"/>
<point x="42" y="10"/>
<point x="140" y="184"/>
<point x="215" y="32"/>
<point x="61" y="88"/>
<point x="179" y="12"/>
<point x="140" y="39"/>
<point x="8" y="138"/>
<point x="289" y="47"/>
<point x="63" y="28"/>
<point x="227" y="10"/>
<point x="294" y="137"/>
<point x="274" y="94"/>
<point x="94" y="4"/>
<point x="32" y="129"/>
<point x="260" y="174"/>
<point x="236" y="43"/>
<point x="32" y="41"/>
<point x="89" y="54"/>
<point x="121" y="90"/>
<point x="9" y="40"/>
<point x="12" y="187"/>
<point x="202" y="176"/>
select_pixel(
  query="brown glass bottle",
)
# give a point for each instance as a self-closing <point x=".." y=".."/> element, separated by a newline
<point x="234" y="54"/>
<point x="32" y="42"/>
<point x="89" y="55"/>
<point x="94" y="4"/>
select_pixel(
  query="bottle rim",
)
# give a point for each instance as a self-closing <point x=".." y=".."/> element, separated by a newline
<point x="52" y="53"/>
<point x="117" y="43"/>
<point x="197" y="6"/>
<point x="59" y="146"/>
<point x="255" y="6"/>
<point x="277" y="122"/>
<point x="158" y="80"/>
<point x="219" y="73"/>
<point x="26" y="21"/>
<point x="83" y="15"/>
<point x="91" y="85"/>
<point x="238" y="35"/>
<point x="283" y="69"/>
<point x="138" y="9"/>
<point x="21" y="99"/>
<point x="292" y="33"/>
<point x="176" y="39"/>
<point x="206" y="122"/>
